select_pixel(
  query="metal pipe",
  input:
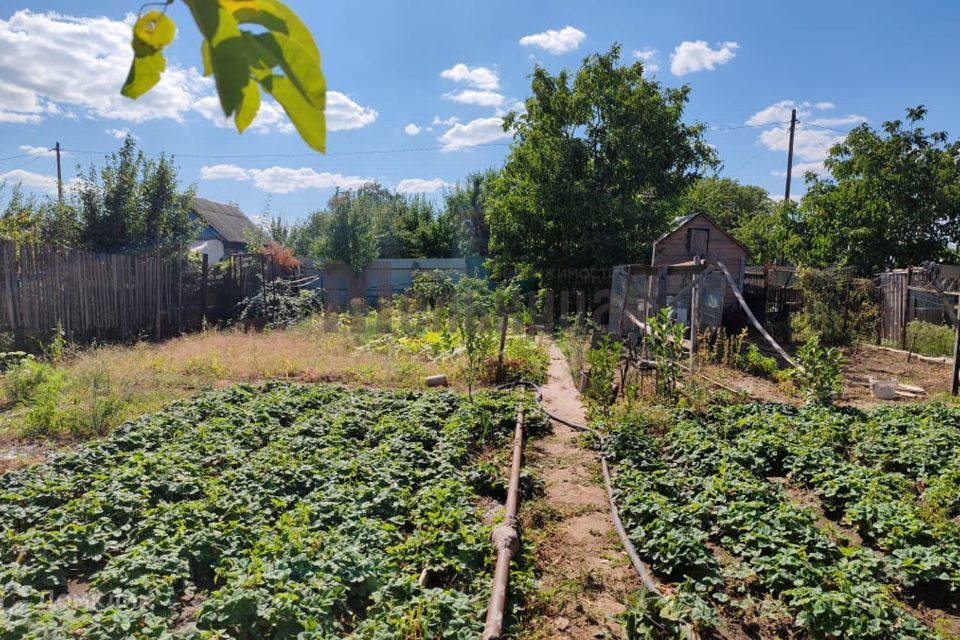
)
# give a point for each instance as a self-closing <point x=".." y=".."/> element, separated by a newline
<point x="506" y="541"/>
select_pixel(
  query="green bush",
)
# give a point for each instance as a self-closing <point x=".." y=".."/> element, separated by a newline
<point x="818" y="375"/>
<point x="285" y="306"/>
<point x="26" y="381"/>
<point x="603" y="359"/>
<point x="836" y="307"/>
<point x="755" y="363"/>
<point x="523" y="359"/>
<point x="929" y="339"/>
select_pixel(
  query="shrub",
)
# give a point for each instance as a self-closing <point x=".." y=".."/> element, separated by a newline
<point x="29" y="379"/>
<point x="755" y="363"/>
<point x="666" y="347"/>
<point x="523" y="359"/>
<point x="432" y="288"/>
<point x="836" y="306"/>
<point x="603" y="358"/>
<point x="285" y="306"/>
<point x="818" y="376"/>
<point x="929" y="339"/>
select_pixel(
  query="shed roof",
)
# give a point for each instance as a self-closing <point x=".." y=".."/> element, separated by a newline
<point x="682" y="221"/>
<point x="226" y="220"/>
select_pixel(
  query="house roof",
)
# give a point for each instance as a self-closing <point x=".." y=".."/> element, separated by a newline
<point x="228" y="221"/>
<point x="680" y="222"/>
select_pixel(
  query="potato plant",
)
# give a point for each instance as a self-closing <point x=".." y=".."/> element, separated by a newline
<point x="281" y="511"/>
<point x="703" y="509"/>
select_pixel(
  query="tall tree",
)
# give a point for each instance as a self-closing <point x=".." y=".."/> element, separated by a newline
<point x="467" y="204"/>
<point x="728" y="202"/>
<point x="133" y="203"/>
<point x="893" y="199"/>
<point x="349" y="235"/>
<point x="596" y="160"/>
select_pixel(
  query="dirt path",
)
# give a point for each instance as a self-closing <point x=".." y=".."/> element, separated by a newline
<point x="586" y="576"/>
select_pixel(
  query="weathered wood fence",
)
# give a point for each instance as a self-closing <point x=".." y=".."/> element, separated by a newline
<point x="915" y="294"/>
<point x="118" y="296"/>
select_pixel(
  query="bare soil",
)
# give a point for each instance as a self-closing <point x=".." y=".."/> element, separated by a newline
<point x="586" y="576"/>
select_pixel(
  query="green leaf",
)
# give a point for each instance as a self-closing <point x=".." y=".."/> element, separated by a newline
<point x="309" y="119"/>
<point x="229" y="57"/>
<point x="144" y="74"/>
<point x="276" y="17"/>
<point x="249" y="107"/>
<point x="155" y="29"/>
<point x="299" y="67"/>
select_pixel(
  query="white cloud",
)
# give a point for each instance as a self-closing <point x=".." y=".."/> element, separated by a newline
<point x="283" y="179"/>
<point x="649" y="59"/>
<point x="49" y="60"/>
<point x="811" y="143"/>
<point x="30" y="179"/>
<point x="447" y="122"/>
<point x="481" y="98"/>
<point x="478" y="77"/>
<point x="42" y="152"/>
<point x="419" y="185"/>
<point x="556" y="42"/>
<point x="802" y="168"/>
<point x="223" y="172"/>
<point x="121" y="134"/>
<point x="412" y="129"/>
<point x="480" y="131"/>
<point x="776" y="113"/>
<point x="691" y="56"/>
<point x="343" y="113"/>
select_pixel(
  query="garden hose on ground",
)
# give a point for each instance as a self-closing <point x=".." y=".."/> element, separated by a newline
<point x="642" y="569"/>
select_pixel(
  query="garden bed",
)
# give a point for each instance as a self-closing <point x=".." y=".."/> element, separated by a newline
<point x="740" y="511"/>
<point x="307" y="511"/>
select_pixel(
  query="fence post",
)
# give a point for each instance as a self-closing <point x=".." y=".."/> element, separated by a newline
<point x="204" y="273"/>
<point x="661" y="288"/>
<point x="904" y="297"/>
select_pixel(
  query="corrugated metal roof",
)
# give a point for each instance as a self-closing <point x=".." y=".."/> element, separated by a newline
<point x="226" y="220"/>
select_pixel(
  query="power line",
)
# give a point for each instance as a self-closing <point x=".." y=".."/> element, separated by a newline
<point x="22" y="155"/>
<point x="820" y="126"/>
<point x="301" y="155"/>
<point x="749" y="126"/>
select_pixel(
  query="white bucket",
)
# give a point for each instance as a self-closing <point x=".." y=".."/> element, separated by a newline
<point x="883" y="389"/>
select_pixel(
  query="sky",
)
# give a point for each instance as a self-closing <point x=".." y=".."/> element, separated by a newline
<point x="417" y="89"/>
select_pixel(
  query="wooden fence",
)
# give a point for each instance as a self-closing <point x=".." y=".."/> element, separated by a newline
<point x="771" y="292"/>
<point x="914" y="294"/>
<point x="117" y="296"/>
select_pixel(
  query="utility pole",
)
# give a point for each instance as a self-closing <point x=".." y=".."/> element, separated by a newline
<point x="59" y="176"/>
<point x="793" y="128"/>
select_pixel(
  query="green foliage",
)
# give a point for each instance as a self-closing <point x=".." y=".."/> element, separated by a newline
<point x="596" y="157"/>
<point x="297" y="511"/>
<point x="430" y="289"/>
<point x="28" y="219"/>
<point x="837" y="307"/>
<point x="524" y="359"/>
<point x="929" y="339"/>
<point x="665" y="342"/>
<point x="755" y="363"/>
<point x="474" y="317"/>
<point x="285" y="306"/>
<point x="603" y="358"/>
<point x="729" y="203"/>
<point x="133" y="203"/>
<point x="819" y="374"/>
<point x="350" y="235"/>
<point x="467" y="204"/>
<point x="279" y="57"/>
<point x="892" y="200"/>
<point x="30" y="379"/>
<point x="706" y="481"/>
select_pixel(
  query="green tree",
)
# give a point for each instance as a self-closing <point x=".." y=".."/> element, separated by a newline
<point x="349" y="235"/>
<point x="21" y="218"/>
<point x="892" y="200"/>
<point x="728" y="202"/>
<point x="133" y="203"/>
<point x="467" y="204"/>
<point x="772" y="236"/>
<point x="596" y="162"/>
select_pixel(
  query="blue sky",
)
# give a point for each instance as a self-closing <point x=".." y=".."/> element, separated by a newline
<point x="450" y="69"/>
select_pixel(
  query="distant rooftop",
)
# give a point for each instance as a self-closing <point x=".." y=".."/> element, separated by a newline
<point x="227" y="220"/>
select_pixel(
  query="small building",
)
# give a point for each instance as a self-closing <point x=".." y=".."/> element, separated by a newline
<point x="225" y="229"/>
<point x="696" y="238"/>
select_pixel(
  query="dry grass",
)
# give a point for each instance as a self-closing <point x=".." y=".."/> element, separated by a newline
<point x="132" y="380"/>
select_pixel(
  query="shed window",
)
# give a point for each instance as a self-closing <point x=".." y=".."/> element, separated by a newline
<point x="698" y="242"/>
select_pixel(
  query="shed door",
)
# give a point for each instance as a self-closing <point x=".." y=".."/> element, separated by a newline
<point x="698" y="241"/>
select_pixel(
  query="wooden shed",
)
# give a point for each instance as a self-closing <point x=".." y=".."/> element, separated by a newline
<point x="697" y="238"/>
